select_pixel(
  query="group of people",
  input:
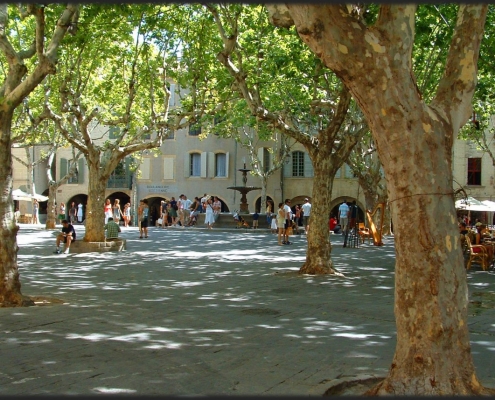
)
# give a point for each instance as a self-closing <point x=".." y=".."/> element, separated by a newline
<point x="184" y="212"/>
<point x="286" y="219"/>
<point x="75" y="212"/>
<point x="290" y="218"/>
<point x="477" y="238"/>
<point x="115" y="212"/>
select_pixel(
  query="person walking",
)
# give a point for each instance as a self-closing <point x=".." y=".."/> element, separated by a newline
<point x="61" y="211"/>
<point x="116" y="211"/>
<point x="164" y="213"/>
<point x="36" y="211"/>
<point x="343" y="216"/>
<point x="280" y="218"/>
<point x="126" y="215"/>
<point x="288" y="221"/>
<point x="72" y="213"/>
<point x="209" y="214"/>
<point x="306" y="209"/>
<point x="143" y="214"/>
<point x="172" y="212"/>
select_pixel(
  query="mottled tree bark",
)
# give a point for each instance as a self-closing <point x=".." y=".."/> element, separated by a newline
<point x="414" y="141"/>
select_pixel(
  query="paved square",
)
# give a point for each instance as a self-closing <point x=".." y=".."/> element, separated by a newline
<point x="197" y="312"/>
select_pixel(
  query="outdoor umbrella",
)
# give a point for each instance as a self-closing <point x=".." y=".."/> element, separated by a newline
<point x="19" y="195"/>
<point x="471" y="204"/>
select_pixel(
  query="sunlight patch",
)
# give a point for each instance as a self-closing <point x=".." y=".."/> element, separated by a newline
<point x="113" y="390"/>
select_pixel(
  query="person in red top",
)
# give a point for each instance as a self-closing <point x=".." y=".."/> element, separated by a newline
<point x="332" y="223"/>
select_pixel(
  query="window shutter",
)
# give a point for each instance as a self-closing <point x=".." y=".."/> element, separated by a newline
<point x="211" y="165"/>
<point x="308" y="166"/>
<point x="187" y="165"/>
<point x="63" y="167"/>
<point x="226" y="165"/>
<point x="168" y="168"/>
<point x="204" y="159"/>
<point x="80" y="170"/>
<point x="144" y="168"/>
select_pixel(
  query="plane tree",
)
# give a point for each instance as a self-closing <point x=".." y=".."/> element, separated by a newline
<point x="30" y="38"/>
<point x="267" y="150"/>
<point x="414" y="137"/>
<point x="111" y="97"/>
<point x="289" y="89"/>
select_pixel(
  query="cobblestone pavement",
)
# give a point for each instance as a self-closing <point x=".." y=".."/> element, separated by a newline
<point x="197" y="312"/>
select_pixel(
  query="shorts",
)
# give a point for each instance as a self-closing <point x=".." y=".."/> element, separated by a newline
<point x="306" y="220"/>
<point x="144" y="222"/>
<point x="287" y="223"/>
<point x="61" y="216"/>
<point x="65" y="239"/>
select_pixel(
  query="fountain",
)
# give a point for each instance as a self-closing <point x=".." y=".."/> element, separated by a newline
<point x="243" y="208"/>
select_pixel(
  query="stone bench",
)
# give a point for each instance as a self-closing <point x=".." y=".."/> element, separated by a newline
<point x="80" y="246"/>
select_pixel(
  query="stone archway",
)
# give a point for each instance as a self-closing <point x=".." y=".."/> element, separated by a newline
<point x="225" y="207"/>
<point x="257" y="204"/>
<point x="154" y="203"/>
<point x="361" y="217"/>
<point x="77" y="199"/>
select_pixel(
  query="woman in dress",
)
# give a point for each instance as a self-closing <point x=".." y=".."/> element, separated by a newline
<point x="117" y="212"/>
<point x="209" y="217"/>
<point x="61" y="211"/>
<point x="126" y="214"/>
<point x="108" y="210"/>
<point x="36" y="210"/>
<point x="79" y="212"/>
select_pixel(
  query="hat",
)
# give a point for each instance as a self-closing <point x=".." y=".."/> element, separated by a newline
<point x="306" y="199"/>
<point x="478" y="224"/>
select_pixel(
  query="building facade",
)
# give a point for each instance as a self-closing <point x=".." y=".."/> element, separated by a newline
<point x="190" y="165"/>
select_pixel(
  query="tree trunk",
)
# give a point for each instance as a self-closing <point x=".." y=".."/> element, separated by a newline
<point x="318" y="260"/>
<point x="10" y="285"/>
<point x="414" y="141"/>
<point x="433" y="352"/>
<point x="263" y="179"/>
<point x="51" y="208"/>
<point x="95" y="215"/>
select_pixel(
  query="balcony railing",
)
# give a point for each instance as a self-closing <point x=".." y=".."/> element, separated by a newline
<point x="120" y="182"/>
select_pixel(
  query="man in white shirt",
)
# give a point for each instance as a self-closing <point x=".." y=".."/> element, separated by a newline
<point x="306" y="209"/>
<point x="186" y="212"/>
<point x="344" y="216"/>
<point x="288" y="222"/>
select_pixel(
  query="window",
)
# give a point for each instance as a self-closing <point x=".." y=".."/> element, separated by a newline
<point x="264" y="157"/>
<point x="221" y="165"/>
<point x="195" y="164"/>
<point x="73" y="178"/>
<point x="195" y="130"/>
<point x="297" y="163"/>
<point x="169" y="134"/>
<point x="474" y="171"/>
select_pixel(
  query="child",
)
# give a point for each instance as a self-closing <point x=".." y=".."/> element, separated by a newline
<point x="256" y="216"/>
<point x="273" y="225"/>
